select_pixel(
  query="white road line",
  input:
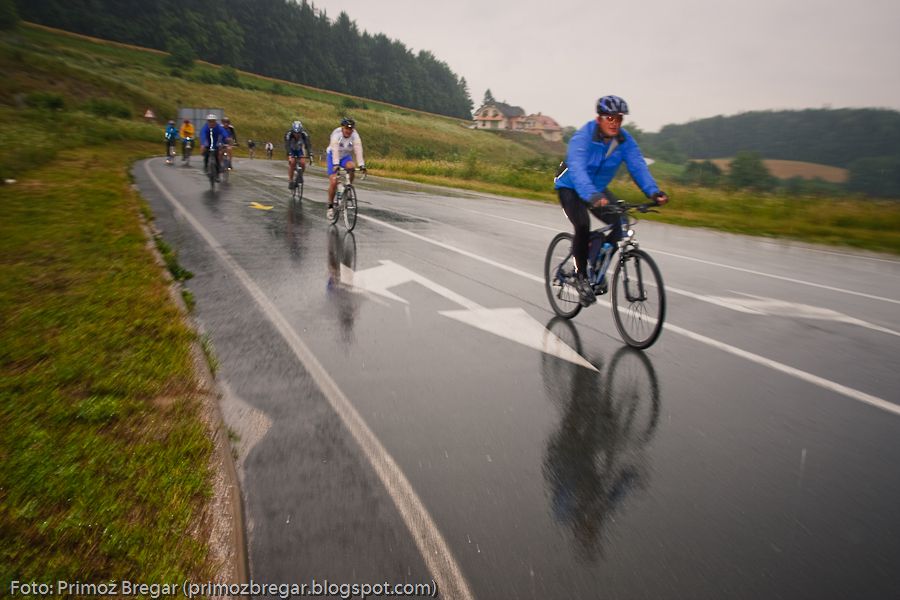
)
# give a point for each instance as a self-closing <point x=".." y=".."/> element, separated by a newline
<point x="780" y="277"/>
<point x="761" y="360"/>
<point x="428" y="538"/>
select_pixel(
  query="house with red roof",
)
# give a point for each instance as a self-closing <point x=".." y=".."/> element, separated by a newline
<point x="499" y="115"/>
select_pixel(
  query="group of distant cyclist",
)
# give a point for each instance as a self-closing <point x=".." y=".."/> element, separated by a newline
<point x="595" y="153"/>
<point x="345" y="149"/>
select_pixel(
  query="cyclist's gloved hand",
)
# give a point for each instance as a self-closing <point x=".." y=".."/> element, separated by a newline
<point x="598" y="200"/>
<point x="659" y="197"/>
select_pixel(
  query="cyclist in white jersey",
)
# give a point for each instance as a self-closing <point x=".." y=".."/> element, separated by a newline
<point x="344" y="145"/>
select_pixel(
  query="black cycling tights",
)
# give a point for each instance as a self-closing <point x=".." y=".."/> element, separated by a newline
<point x="577" y="211"/>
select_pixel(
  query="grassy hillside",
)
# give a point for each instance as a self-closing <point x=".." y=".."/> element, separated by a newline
<point x="66" y="74"/>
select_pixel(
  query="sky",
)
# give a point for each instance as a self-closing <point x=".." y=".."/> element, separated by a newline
<point x="673" y="61"/>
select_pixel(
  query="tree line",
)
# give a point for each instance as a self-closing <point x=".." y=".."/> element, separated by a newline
<point x="278" y="38"/>
<point x="864" y="141"/>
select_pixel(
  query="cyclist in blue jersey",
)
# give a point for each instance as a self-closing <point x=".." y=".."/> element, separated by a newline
<point x="212" y="138"/>
<point x="595" y="153"/>
<point x="297" y="148"/>
<point x="171" y="138"/>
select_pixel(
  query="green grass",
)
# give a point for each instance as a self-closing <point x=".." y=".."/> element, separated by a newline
<point x="103" y="458"/>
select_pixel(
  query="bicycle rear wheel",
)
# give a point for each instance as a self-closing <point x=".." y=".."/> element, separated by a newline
<point x="638" y="299"/>
<point x="211" y="171"/>
<point x="350" y="208"/>
<point x="559" y="277"/>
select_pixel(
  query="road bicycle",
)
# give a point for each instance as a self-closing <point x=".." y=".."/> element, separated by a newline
<point x="187" y="147"/>
<point x="345" y="201"/>
<point x="170" y="153"/>
<point x="636" y="286"/>
<point x="211" y="170"/>
<point x="297" y="189"/>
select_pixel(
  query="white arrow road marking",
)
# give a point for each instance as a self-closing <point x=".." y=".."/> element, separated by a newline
<point x="511" y="323"/>
<point x="517" y="325"/>
<point x="761" y="305"/>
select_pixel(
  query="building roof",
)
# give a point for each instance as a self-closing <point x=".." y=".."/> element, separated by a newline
<point x="543" y="122"/>
<point x="505" y="109"/>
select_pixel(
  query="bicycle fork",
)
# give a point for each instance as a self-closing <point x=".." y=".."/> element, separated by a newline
<point x="633" y="281"/>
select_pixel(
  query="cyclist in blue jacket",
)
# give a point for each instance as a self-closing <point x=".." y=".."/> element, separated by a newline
<point x="595" y="153"/>
<point x="171" y="138"/>
<point x="212" y="137"/>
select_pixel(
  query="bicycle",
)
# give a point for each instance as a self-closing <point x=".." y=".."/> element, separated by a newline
<point x="170" y="153"/>
<point x="638" y="295"/>
<point x="211" y="168"/>
<point x="187" y="146"/>
<point x="345" y="200"/>
<point x="297" y="190"/>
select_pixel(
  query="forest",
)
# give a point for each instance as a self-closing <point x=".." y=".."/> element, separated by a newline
<point x="865" y="141"/>
<point x="294" y="41"/>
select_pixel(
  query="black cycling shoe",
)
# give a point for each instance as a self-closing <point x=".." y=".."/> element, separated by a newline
<point x="585" y="292"/>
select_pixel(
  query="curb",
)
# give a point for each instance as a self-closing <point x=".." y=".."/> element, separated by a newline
<point x="224" y="514"/>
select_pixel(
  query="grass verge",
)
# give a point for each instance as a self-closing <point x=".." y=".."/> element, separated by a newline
<point x="104" y="458"/>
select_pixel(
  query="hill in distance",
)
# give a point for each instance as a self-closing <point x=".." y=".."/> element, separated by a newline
<point x="833" y="137"/>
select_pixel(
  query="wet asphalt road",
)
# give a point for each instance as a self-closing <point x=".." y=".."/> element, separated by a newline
<point x="753" y="452"/>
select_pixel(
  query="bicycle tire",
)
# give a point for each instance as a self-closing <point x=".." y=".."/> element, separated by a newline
<point x="297" y="190"/>
<point x="350" y="208"/>
<point x="633" y="391"/>
<point x="211" y="172"/>
<point x="338" y="205"/>
<point x="563" y="297"/>
<point x="638" y="303"/>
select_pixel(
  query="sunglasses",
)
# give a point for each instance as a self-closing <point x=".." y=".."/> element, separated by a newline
<point x="612" y="118"/>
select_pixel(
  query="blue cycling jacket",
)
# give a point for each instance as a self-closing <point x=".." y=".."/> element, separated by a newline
<point x="212" y="139"/>
<point x="171" y="133"/>
<point x="589" y="169"/>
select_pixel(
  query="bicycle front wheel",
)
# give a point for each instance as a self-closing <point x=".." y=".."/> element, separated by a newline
<point x="559" y="277"/>
<point x="297" y="191"/>
<point x="350" y="208"/>
<point x="338" y="207"/>
<point x="638" y="299"/>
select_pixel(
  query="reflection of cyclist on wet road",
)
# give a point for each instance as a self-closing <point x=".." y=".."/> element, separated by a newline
<point x="597" y="456"/>
<point x="342" y="252"/>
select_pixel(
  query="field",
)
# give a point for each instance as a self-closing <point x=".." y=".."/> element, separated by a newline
<point x="786" y="169"/>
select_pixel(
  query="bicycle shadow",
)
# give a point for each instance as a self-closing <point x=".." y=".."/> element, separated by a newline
<point x="598" y="456"/>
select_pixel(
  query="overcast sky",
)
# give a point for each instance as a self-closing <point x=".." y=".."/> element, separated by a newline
<point x="672" y="60"/>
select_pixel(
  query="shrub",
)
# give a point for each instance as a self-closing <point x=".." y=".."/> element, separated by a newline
<point x="45" y="100"/>
<point x="9" y="17"/>
<point x="419" y="152"/>
<point x="350" y="103"/>
<point x="181" y="55"/>
<point x="747" y="170"/>
<point x="104" y="107"/>
<point x="228" y="75"/>
<point x="704" y="173"/>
